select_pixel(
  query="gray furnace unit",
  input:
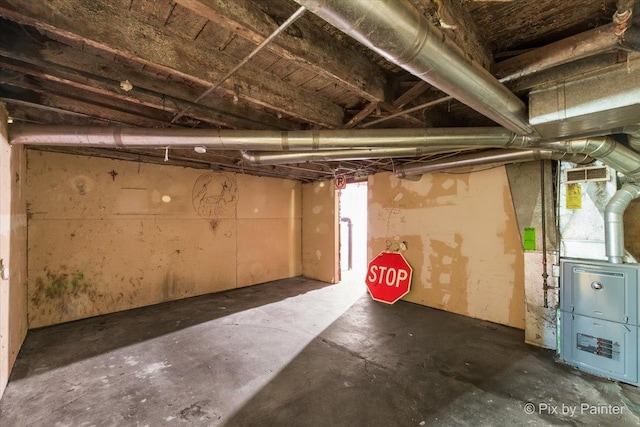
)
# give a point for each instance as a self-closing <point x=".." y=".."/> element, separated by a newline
<point x="599" y="318"/>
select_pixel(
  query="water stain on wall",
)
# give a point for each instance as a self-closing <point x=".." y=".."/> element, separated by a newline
<point x="61" y="285"/>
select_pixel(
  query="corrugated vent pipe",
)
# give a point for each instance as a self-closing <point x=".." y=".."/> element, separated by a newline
<point x="490" y="157"/>
<point x="614" y="224"/>
<point x="401" y="34"/>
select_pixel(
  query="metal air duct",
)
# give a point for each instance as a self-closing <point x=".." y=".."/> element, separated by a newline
<point x="401" y="34"/>
<point x="264" y="140"/>
<point x="588" y="105"/>
<point x="614" y="224"/>
<point x="491" y="157"/>
<point x="633" y="136"/>
<point x="605" y="149"/>
<point x="283" y="158"/>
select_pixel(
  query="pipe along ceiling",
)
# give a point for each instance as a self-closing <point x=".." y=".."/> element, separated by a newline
<point x="420" y="48"/>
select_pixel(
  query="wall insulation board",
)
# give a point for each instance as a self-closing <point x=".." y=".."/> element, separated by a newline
<point x="462" y="241"/>
<point x="320" y="228"/>
<point x="109" y="235"/>
<point x="13" y="251"/>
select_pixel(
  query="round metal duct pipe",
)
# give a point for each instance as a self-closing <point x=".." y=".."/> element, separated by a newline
<point x="490" y="157"/>
<point x="263" y="140"/>
<point x="401" y="34"/>
<point x="614" y="221"/>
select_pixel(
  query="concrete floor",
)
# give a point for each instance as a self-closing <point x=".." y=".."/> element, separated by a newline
<point x="297" y="353"/>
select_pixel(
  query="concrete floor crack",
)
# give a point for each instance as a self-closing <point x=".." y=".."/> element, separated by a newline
<point x="355" y="354"/>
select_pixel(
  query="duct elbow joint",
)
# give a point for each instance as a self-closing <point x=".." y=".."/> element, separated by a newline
<point x="250" y="157"/>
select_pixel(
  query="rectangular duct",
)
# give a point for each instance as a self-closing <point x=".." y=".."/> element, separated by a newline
<point x="588" y="105"/>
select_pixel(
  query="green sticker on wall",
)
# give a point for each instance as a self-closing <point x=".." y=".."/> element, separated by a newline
<point x="529" y="239"/>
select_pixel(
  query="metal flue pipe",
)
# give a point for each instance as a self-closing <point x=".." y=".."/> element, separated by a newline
<point x="614" y="223"/>
<point x="484" y="158"/>
<point x="262" y="140"/>
<point x="401" y="34"/>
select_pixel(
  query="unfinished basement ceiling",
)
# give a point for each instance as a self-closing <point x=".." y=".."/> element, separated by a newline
<point x="141" y="63"/>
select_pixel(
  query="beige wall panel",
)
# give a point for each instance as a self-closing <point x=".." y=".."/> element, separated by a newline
<point x="261" y="243"/>
<point x="82" y="187"/>
<point x="13" y="251"/>
<point x="462" y="238"/>
<point x="111" y="265"/>
<point x="320" y="246"/>
<point x="18" y="268"/>
<point x="268" y="198"/>
<point x="107" y="235"/>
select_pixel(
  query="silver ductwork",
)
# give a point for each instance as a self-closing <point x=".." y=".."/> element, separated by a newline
<point x="605" y="149"/>
<point x="263" y="140"/>
<point x="633" y="136"/>
<point x="283" y="158"/>
<point x="614" y="225"/>
<point x="589" y="104"/>
<point x="625" y="161"/>
<point x="401" y="34"/>
<point x="491" y="157"/>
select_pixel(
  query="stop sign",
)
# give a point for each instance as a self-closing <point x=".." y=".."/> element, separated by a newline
<point x="388" y="277"/>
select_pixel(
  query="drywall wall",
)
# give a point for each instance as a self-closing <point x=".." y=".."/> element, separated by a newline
<point x="525" y="184"/>
<point x="13" y="251"/>
<point x="462" y="241"/>
<point x="320" y="227"/>
<point x="109" y="235"/>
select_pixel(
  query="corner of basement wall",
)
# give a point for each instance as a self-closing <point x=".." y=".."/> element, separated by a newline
<point x="132" y="234"/>
<point x="462" y="241"/>
<point x="13" y="251"/>
<point x="320" y="228"/>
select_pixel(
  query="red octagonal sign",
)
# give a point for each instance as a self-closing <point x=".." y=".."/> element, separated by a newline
<point x="388" y="277"/>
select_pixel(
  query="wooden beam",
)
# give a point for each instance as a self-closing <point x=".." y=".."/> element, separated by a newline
<point x="88" y="108"/>
<point x="362" y="114"/>
<point x="111" y="89"/>
<point x="54" y="55"/>
<point x="314" y="49"/>
<point x="459" y="26"/>
<point x="415" y="91"/>
<point x="112" y="29"/>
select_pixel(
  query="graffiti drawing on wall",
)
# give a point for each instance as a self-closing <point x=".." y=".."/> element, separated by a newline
<point x="215" y="195"/>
